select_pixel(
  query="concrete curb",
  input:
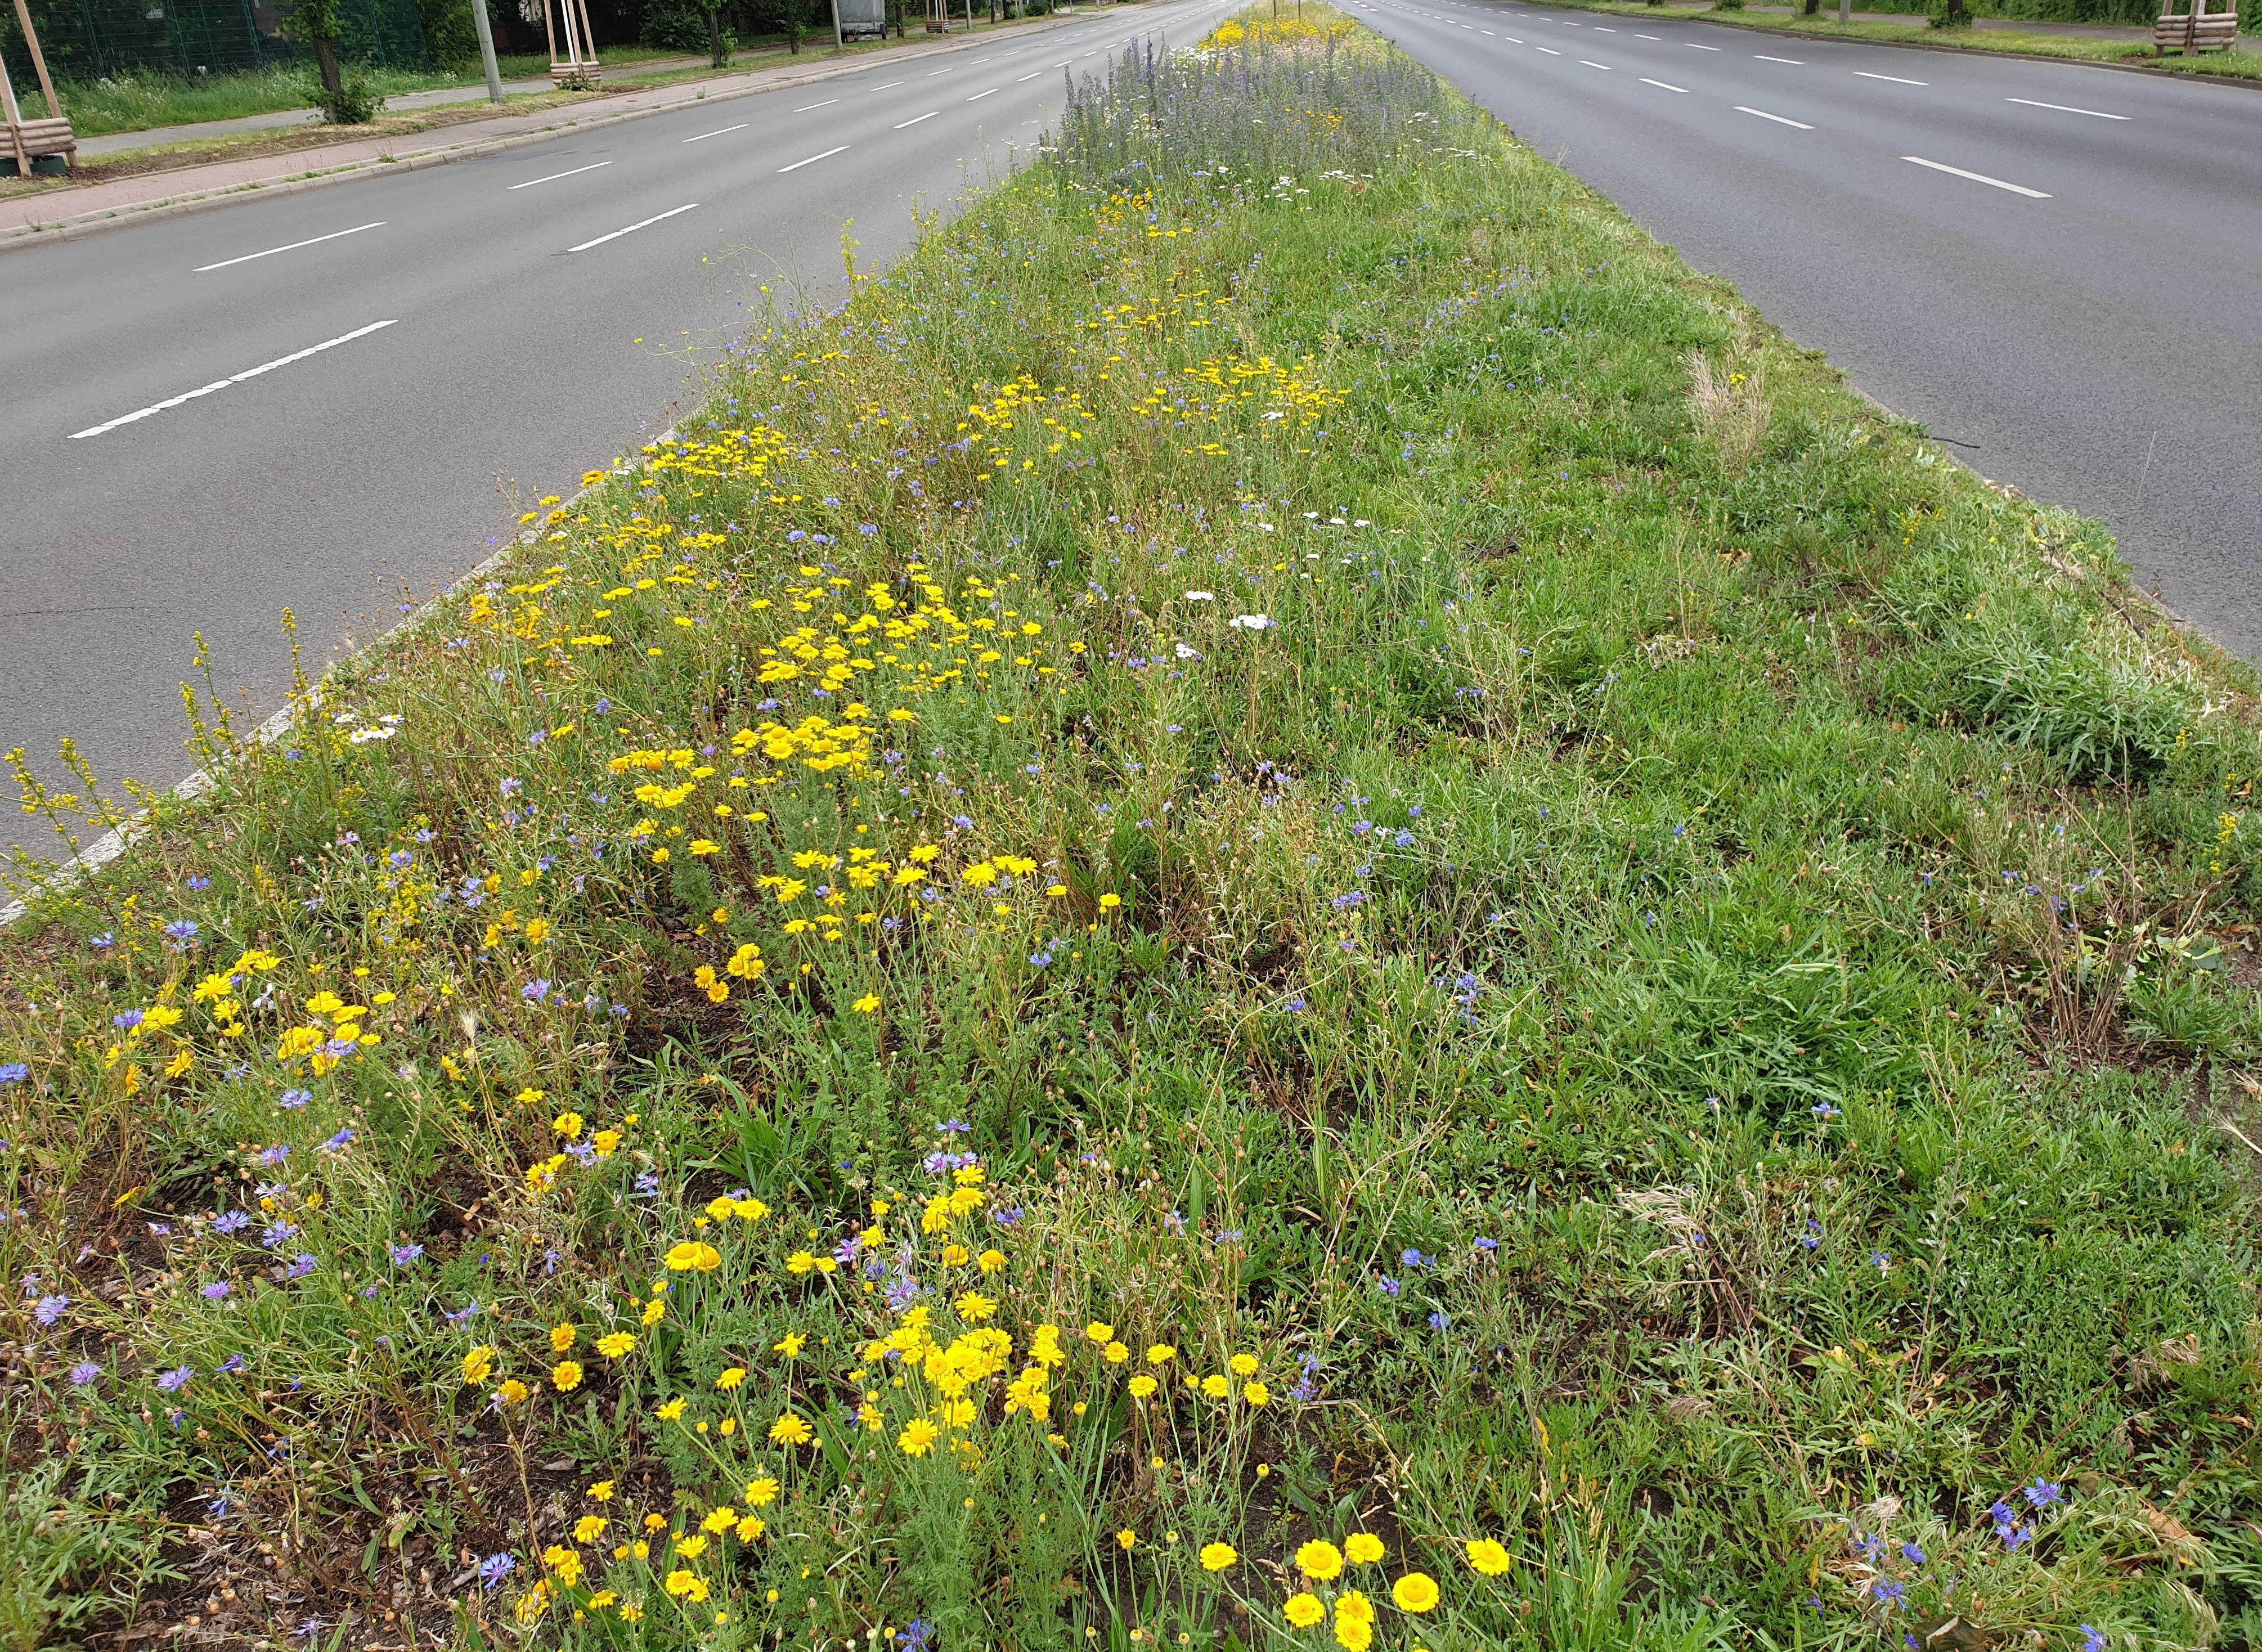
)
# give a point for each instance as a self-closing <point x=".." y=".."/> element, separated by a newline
<point x="198" y="200"/>
<point x="1725" y="21"/>
<point x="112" y="844"/>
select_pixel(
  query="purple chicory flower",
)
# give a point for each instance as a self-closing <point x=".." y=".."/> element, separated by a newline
<point x="48" y="1309"/>
<point x="83" y="1373"/>
<point x="174" y="1380"/>
<point x="217" y="1291"/>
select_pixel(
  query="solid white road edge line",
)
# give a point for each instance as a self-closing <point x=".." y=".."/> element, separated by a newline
<point x="554" y="176"/>
<point x="633" y="228"/>
<point x="1786" y="120"/>
<point x="2064" y="109"/>
<point x="294" y="246"/>
<point x="236" y="379"/>
<point x="1976" y="177"/>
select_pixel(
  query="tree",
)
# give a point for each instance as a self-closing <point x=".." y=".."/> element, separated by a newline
<point x="345" y="98"/>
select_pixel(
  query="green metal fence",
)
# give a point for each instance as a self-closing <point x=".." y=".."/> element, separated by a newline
<point x="86" y="40"/>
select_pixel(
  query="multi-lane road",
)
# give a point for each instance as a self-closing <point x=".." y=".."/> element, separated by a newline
<point x="2058" y="268"/>
<point x="310" y="400"/>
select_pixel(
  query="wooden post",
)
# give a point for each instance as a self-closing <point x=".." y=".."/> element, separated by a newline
<point x="589" y="40"/>
<point x="549" y="35"/>
<point x="38" y="59"/>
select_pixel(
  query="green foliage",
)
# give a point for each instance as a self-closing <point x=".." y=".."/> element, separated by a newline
<point x="674" y="25"/>
<point x="1499" y="876"/>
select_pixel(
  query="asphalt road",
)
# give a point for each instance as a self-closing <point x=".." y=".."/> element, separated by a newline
<point x="536" y="313"/>
<point x="2092" y="336"/>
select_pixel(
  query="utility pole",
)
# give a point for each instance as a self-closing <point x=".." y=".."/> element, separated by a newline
<point x="837" y="42"/>
<point x="486" y="50"/>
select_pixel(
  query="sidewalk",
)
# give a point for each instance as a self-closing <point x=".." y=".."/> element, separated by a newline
<point x="78" y="210"/>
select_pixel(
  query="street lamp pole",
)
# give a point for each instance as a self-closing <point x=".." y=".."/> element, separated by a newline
<point x="486" y="50"/>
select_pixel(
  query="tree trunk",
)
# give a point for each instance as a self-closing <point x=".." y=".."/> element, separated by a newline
<point x="719" y="57"/>
<point x="327" y="57"/>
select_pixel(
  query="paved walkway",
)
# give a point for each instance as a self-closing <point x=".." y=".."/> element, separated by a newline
<point x="80" y="207"/>
<point x="151" y="137"/>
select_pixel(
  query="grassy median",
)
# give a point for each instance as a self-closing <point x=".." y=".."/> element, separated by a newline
<point x="1289" y="902"/>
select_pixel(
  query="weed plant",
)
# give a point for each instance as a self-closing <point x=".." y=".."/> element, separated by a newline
<point x="1289" y="901"/>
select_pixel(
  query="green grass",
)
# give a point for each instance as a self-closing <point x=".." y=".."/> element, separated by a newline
<point x="137" y="103"/>
<point x="2244" y="64"/>
<point x="1669" y="1010"/>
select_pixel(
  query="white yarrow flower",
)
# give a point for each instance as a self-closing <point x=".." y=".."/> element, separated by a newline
<point x="1250" y="622"/>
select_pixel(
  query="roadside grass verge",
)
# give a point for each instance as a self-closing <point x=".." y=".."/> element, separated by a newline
<point x="1289" y="902"/>
<point x="2243" y="64"/>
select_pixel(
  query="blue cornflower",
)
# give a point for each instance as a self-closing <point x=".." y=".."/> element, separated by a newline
<point x="217" y="1291"/>
<point x="403" y="1254"/>
<point x="1411" y="1258"/>
<point x="1912" y="1553"/>
<point x="233" y="1221"/>
<point x="14" y="1072"/>
<point x="2092" y="1638"/>
<point x="1890" y="1595"/>
<point x="340" y="1140"/>
<point x="50" y="1308"/>
<point x="2041" y="1494"/>
<point x="83" y="1373"/>
<point x="496" y="1568"/>
<point x="174" y="1380"/>
<point x="1388" y="1286"/>
<point x="1437" y="1320"/>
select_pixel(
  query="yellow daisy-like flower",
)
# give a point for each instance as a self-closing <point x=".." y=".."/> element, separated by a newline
<point x="602" y="1491"/>
<point x="1161" y="1353"/>
<point x="1303" y="1609"/>
<point x="990" y="1261"/>
<point x="1100" y="1331"/>
<point x="1363" y="1548"/>
<point x="918" y="1438"/>
<point x="1109" y="903"/>
<point x="1215" y="1557"/>
<point x="561" y="1336"/>
<point x="719" y="1520"/>
<point x="731" y="1378"/>
<point x="653" y="1310"/>
<point x="687" y="1585"/>
<point x="1320" y="1559"/>
<point x="1353" y="1634"/>
<point x="751" y="1527"/>
<point x="761" y="1493"/>
<point x="672" y="1412"/>
<point x="974" y="1307"/>
<point x="1126" y="1539"/>
<point x="1352" y="1603"/>
<point x="511" y="1391"/>
<point x="694" y="1256"/>
<point x="1489" y="1557"/>
<point x="691" y="1547"/>
<point x="1257" y="1394"/>
<point x="1417" y="1591"/>
<point x="789" y="1345"/>
<point x="1242" y="1365"/>
<point x="589" y="1528"/>
<point x="1216" y="1387"/>
<point x="790" y="1430"/>
<point x="1116" y="1352"/>
<point x="478" y="1365"/>
<point x="566" y="1375"/>
<point x="867" y="1004"/>
<point x="615" y="1345"/>
<point x="1141" y="1386"/>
